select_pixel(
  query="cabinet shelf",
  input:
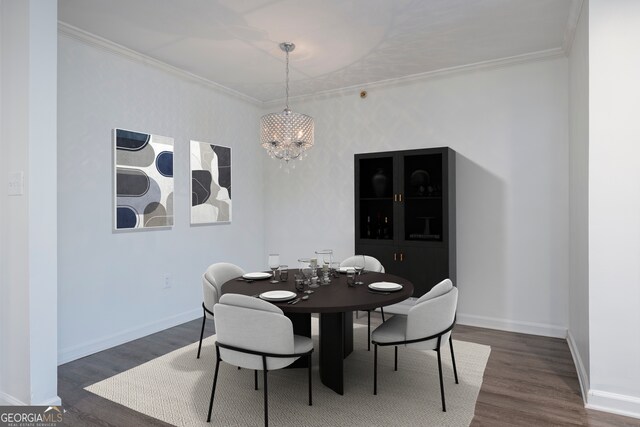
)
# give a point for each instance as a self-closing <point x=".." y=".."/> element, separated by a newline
<point x="423" y="198"/>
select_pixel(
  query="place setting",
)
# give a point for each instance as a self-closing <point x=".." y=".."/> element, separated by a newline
<point x="383" y="288"/>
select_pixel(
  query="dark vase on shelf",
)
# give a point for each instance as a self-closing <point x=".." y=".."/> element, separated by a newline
<point x="379" y="183"/>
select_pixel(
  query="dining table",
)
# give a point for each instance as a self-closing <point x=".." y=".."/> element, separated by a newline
<point x="334" y="303"/>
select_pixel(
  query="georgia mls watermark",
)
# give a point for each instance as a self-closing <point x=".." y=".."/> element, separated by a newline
<point x="31" y="416"/>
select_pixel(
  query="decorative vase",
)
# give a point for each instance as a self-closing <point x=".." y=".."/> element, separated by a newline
<point x="421" y="182"/>
<point x="379" y="183"/>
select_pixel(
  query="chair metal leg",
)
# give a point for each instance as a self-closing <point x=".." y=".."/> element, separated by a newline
<point x="382" y="311"/>
<point x="215" y="380"/>
<point x="444" y="408"/>
<point x="375" y="369"/>
<point x="310" y="395"/>
<point x="255" y="379"/>
<point x="204" y="320"/>
<point x="396" y="364"/>
<point x="266" y="403"/>
<point x="453" y="360"/>
<point x="368" y="330"/>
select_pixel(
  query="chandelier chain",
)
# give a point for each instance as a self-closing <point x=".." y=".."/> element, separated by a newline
<point x="287" y="83"/>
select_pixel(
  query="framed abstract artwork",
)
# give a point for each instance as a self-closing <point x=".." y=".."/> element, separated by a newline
<point x="143" y="175"/>
<point x="210" y="183"/>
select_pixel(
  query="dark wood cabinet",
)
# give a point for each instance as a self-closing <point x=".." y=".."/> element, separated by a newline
<point x="405" y="213"/>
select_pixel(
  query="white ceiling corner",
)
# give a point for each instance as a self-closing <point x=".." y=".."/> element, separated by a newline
<point x="339" y="43"/>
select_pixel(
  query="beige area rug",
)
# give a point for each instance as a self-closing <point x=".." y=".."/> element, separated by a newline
<point x="176" y="387"/>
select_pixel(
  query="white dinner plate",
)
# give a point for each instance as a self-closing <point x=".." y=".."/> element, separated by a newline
<point x="385" y="286"/>
<point x="277" y="295"/>
<point x="346" y="269"/>
<point x="260" y="275"/>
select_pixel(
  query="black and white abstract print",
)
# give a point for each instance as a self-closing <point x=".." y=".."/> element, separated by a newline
<point x="210" y="183"/>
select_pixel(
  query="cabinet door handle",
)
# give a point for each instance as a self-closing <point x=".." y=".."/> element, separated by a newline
<point x="395" y="197"/>
<point x="401" y="256"/>
<point x="400" y="197"/>
<point x="395" y="256"/>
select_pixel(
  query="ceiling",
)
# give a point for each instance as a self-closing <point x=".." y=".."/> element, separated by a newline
<point x="339" y="43"/>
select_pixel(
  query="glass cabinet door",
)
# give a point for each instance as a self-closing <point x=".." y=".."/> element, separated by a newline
<point x="375" y="198"/>
<point x="423" y="197"/>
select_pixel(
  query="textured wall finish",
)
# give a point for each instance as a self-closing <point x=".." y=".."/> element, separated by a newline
<point x="509" y="128"/>
<point x="116" y="286"/>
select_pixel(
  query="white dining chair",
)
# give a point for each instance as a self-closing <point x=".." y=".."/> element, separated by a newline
<point x="255" y="334"/>
<point x="427" y="327"/>
<point x="212" y="281"/>
<point x="370" y="264"/>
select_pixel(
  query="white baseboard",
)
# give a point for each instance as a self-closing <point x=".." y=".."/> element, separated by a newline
<point x="615" y="403"/>
<point x="583" y="378"/>
<point x="8" y="400"/>
<point x="530" y="328"/>
<point x="81" y="350"/>
<point x="54" y="401"/>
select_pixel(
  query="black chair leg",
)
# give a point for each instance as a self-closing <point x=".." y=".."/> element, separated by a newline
<point x="444" y="408"/>
<point x="255" y="379"/>
<point x="453" y="360"/>
<point x="310" y="395"/>
<point x="382" y="311"/>
<point x="396" y="364"/>
<point x="266" y="403"/>
<point x="375" y="369"/>
<point x="215" y="380"/>
<point x="204" y="320"/>
<point x="368" y="330"/>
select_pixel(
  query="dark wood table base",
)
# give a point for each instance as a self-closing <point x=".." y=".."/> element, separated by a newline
<point x="301" y="326"/>
<point x="336" y="343"/>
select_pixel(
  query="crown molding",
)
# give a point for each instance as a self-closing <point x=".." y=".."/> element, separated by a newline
<point x="91" y="39"/>
<point x="70" y="31"/>
<point x="572" y="23"/>
<point x="443" y="72"/>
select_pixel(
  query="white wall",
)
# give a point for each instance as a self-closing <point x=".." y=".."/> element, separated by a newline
<point x="510" y="128"/>
<point x="614" y="205"/>
<point x="28" y="258"/>
<point x="111" y="283"/>
<point x="578" y="335"/>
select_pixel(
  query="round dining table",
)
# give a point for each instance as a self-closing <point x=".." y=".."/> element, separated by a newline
<point x="335" y="304"/>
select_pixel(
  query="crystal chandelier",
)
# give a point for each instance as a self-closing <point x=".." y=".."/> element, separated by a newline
<point x="286" y="135"/>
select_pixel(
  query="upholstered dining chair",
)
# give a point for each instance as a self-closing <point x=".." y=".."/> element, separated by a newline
<point x="212" y="281"/>
<point x="427" y="327"/>
<point x="255" y="334"/>
<point x="370" y="264"/>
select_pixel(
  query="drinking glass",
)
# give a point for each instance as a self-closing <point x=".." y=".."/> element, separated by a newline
<point x="274" y="263"/>
<point x="325" y="258"/>
<point x="299" y="282"/>
<point x="351" y="278"/>
<point x="284" y="273"/>
<point x="335" y="268"/>
<point x="358" y="265"/>
<point x="304" y="266"/>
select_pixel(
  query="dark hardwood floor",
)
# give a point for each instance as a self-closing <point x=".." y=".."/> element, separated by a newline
<point x="529" y="380"/>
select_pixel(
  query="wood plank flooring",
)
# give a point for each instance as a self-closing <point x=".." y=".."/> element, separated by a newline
<point x="529" y="380"/>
